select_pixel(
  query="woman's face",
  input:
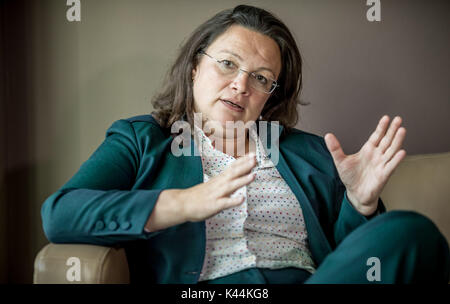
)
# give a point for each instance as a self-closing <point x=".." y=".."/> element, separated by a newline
<point x="252" y="52"/>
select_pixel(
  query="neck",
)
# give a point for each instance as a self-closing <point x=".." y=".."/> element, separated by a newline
<point x="233" y="143"/>
<point x="235" y="146"/>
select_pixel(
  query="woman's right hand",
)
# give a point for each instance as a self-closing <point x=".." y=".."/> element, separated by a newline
<point x="205" y="200"/>
<point x="177" y="206"/>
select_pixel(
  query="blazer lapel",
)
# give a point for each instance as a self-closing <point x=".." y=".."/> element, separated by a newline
<point x="318" y="242"/>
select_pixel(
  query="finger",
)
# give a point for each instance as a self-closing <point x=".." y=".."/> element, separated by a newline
<point x="229" y="202"/>
<point x="238" y="183"/>
<point x="396" y="144"/>
<point x="240" y="167"/>
<point x="380" y="130"/>
<point x="334" y="147"/>
<point x="387" y="139"/>
<point x="394" y="162"/>
<point x="211" y="209"/>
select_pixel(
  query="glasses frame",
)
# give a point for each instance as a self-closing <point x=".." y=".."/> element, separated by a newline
<point x="251" y="74"/>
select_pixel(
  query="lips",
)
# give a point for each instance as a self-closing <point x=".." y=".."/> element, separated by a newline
<point x="232" y="105"/>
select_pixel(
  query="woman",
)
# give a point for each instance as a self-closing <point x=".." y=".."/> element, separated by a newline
<point x="306" y="213"/>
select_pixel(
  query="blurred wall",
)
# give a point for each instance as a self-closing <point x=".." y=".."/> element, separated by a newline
<point x="64" y="83"/>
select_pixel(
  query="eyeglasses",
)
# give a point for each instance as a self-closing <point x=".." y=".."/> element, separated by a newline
<point x="257" y="81"/>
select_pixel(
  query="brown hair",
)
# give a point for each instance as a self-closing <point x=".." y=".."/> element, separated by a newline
<point x="176" y="99"/>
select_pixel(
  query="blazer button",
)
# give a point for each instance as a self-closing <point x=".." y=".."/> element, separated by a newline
<point x="99" y="225"/>
<point x="112" y="225"/>
<point x="125" y="225"/>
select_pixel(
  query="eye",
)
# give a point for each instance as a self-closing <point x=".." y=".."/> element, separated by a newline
<point x="227" y="64"/>
<point x="261" y="79"/>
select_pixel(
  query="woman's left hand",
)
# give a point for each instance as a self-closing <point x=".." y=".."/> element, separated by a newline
<point x="366" y="172"/>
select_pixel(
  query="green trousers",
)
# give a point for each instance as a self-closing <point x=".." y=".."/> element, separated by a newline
<point x="394" y="247"/>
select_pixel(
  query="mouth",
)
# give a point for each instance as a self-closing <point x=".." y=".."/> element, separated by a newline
<point x="232" y="105"/>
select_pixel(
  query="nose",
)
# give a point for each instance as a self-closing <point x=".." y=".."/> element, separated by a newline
<point x="240" y="83"/>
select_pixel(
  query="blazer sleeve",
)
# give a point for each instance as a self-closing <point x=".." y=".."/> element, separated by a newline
<point x="349" y="218"/>
<point x="97" y="205"/>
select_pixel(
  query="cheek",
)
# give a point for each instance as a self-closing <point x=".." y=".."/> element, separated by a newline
<point x="200" y="93"/>
<point x="206" y="90"/>
<point x="258" y="104"/>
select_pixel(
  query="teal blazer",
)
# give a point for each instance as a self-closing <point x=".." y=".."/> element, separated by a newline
<point x="109" y="200"/>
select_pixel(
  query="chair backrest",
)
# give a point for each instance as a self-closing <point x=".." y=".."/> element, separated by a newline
<point x="422" y="183"/>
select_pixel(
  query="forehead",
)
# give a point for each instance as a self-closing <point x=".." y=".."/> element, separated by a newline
<point x="255" y="49"/>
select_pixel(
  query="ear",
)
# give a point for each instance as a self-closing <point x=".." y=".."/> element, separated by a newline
<point x="194" y="72"/>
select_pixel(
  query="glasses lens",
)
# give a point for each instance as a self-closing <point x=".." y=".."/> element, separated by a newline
<point x="227" y="67"/>
<point x="257" y="81"/>
<point x="261" y="83"/>
<point x="266" y="86"/>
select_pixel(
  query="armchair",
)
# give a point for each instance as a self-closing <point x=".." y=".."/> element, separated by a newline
<point x="80" y="263"/>
<point x="421" y="183"/>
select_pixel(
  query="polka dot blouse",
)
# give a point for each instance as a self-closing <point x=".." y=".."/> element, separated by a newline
<point x="267" y="230"/>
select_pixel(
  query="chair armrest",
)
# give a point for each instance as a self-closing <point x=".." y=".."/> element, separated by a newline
<point x="89" y="264"/>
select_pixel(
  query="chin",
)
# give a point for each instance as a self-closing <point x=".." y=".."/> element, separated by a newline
<point x="223" y="118"/>
<point x="218" y="122"/>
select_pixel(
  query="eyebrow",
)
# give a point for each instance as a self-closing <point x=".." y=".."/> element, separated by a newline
<point x="240" y="58"/>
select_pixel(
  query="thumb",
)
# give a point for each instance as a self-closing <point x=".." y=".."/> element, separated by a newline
<point x="334" y="147"/>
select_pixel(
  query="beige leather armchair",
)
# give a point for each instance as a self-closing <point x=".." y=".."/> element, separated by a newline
<point x="80" y="264"/>
<point x="420" y="183"/>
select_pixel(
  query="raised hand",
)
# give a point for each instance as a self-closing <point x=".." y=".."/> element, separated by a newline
<point x="366" y="172"/>
<point x="207" y="199"/>
<point x="197" y="203"/>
